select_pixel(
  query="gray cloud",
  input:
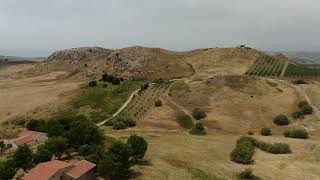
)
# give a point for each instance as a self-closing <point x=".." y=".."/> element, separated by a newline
<point x="37" y="27"/>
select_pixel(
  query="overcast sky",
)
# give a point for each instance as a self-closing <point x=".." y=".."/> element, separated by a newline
<point x="38" y="27"/>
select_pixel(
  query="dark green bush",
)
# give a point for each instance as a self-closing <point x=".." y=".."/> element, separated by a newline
<point x="297" y="133"/>
<point x="139" y="147"/>
<point x="93" y="83"/>
<point x="144" y="86"/>
<point x="116" y="163"/>
<point x="302" y="103"/>
<point x="244" y="151"/>
<point x="281" y="120"/>
<point x="119" y="125"/>
<point x="298" y="114"/>
<point x="107" y="78"/>
<point x="199" y="126"/>
<point x="306" y="109"/>
<point x="247" y="175"/>
<point x="158" y="103"/>
<point x="250" y="133"/>
<point x="185" y="121"/>
<point x="245" y="148"/>
<point x="265" y="132"/>
<point x="8" y="169"/>
<point x="109" y="122"/>
<point x="126" y="120"/>
<point x="198" y="129"/>
<point x="299" y="81"/>
<point x="277" y="148"/>
<point x="115" y="81"/>
<point x="198" y="114"/>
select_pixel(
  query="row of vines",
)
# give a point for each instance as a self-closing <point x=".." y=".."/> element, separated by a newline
<point x="144" y="100"/>
<point x="266" y="66"/>
<point x="294" y="70"/>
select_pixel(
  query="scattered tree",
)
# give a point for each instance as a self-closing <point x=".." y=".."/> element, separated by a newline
<point x="296" y="133"/>
<point x="158" y="103"/>
<point x="115" y="81"/>
<point x="299" y="81"/>
<point x="198" y="129"/>
<point x="23" y="157"/>
<point x="198" y="114"/>
<point x="138" y="145"/>
<point x="57" y="145"/>
<point x="281" y="120"/>
<point x="247" y="175"/>
<point x="116" y="163"/>
<point x="93" y="83"/>
<point x="43" y="154"/>
<point x="7" y="169"/>
<point x="265" y="132"/>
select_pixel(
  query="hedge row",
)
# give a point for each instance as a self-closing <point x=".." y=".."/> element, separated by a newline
<point x="245" y="149"/>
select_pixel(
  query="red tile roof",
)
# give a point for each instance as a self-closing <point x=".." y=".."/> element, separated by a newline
<point x="26" y="137"/>
<point x="81" y="168"/>
<point x="45" y="170"/>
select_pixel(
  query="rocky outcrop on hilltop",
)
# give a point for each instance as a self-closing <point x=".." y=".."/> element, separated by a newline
<point x="76" y="55"/>
<point x="141" y="62"/>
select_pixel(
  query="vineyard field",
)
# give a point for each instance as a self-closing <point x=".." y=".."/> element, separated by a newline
<point x="266" y="66"/>
<point x="294" y="70"/>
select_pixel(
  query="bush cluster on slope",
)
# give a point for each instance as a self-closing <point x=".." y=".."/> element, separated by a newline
<point x="297" y="133"/>
<point x="304" y="108"/>
<point x="198" y="129"/>
<point x="247" y="175"/>
<point x="245" y="148"/>
<point x="198" y="114"/>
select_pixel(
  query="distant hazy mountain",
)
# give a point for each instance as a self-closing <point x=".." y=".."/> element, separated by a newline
<point x="13" y="60"/>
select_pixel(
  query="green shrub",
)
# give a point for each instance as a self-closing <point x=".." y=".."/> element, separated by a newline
<point x="245" y="148"/>
<point x="306" y="109"/>
<point x="158" y="103"/>
<point x="119" y="125"/>
<point x="247" y="175"/>
<point x="244" y="151"/>
<point x="198" y="129"/>
<point x="115" y="81"/>
<point x="297" y="133"/>
<point x="126" y="120"/>
<point x="299" y="81"/>
<point x="277" y="148"/>
<point x="110" y="122"/>
<point x="23" y="157"/>
<point x="185" y="121"/>
<point x="199" y="126"/>
<point x="139" y="147"/>
<point x="298" y="114"/>
<point x="7" y="168"/>
<point x="116" y="163"/>
<point x="302" y="103"/>
<point x="198" y="114"/>
<point x="281" y="120"/>
<point x="93" y="83"/>
<point x="265" y="132"/>
<point x="250" y="133"/>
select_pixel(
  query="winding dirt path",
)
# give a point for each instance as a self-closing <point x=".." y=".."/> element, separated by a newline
<point x="120" y="109"/>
